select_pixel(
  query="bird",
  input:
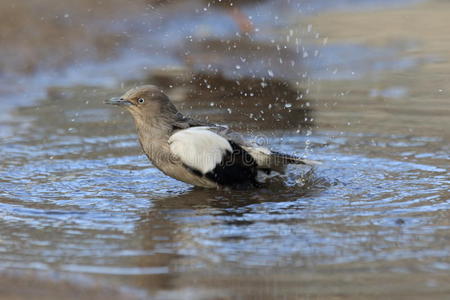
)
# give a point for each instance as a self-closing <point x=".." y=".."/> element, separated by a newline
<point x="197" y="152"/>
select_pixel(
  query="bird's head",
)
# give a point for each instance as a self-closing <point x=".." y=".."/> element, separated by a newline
<point x="145" y="103"/>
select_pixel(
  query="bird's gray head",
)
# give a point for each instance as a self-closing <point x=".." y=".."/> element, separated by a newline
<point x="146" y="104"/>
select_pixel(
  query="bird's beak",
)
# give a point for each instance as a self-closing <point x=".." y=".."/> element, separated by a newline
<point x="118" y="101"/>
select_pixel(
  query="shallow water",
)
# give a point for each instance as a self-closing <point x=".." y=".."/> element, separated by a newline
<point x="78" y="197"/>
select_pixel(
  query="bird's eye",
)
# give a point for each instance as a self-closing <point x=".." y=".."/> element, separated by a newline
<point x="141" y="100"/>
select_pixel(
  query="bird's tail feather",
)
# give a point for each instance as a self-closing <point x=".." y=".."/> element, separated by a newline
<point x="285" y="159"/>
<point x="271" y="160"/>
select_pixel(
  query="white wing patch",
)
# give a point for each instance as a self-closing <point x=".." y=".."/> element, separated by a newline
<point x="199" y="148"/>
<point x="260" y="154"/>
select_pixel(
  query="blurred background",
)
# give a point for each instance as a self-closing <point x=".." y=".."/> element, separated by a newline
<point x="362" y="85"/>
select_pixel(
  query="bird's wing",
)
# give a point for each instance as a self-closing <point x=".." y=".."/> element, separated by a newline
<point x="199" y="148"/>
<point x="263" y="156"/>
<point x="208" y="154"/>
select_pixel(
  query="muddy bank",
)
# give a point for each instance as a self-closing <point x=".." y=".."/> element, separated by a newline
<point x="390" y="101"/>
<point x="45" y="35"/>
<point x="21" y="285"/>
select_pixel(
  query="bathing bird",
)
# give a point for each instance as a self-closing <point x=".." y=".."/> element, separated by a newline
<point x="196" y="152"/>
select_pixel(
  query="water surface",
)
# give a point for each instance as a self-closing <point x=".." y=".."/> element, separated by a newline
<point x="80" y="203"/>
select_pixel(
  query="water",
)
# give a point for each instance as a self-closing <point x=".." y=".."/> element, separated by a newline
<point x="78" y="196"/>
<point x="80" y="203"/>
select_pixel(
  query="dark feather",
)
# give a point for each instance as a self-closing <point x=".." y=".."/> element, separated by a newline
<point x="238" y="168"/>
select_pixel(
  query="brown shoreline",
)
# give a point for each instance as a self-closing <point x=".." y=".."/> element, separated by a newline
<point x="21" y="285"/>
<point x="421" y="31"/>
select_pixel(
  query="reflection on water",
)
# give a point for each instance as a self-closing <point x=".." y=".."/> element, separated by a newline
<point x="115" y="47"/>
<point x="249" y="102"/>
<point x="77" y="196"/>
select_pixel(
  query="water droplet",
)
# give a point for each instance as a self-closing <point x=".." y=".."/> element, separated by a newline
<point x="270" y="72"/>
<point x="238" y="67"/>
<point x="288" y="105"/>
